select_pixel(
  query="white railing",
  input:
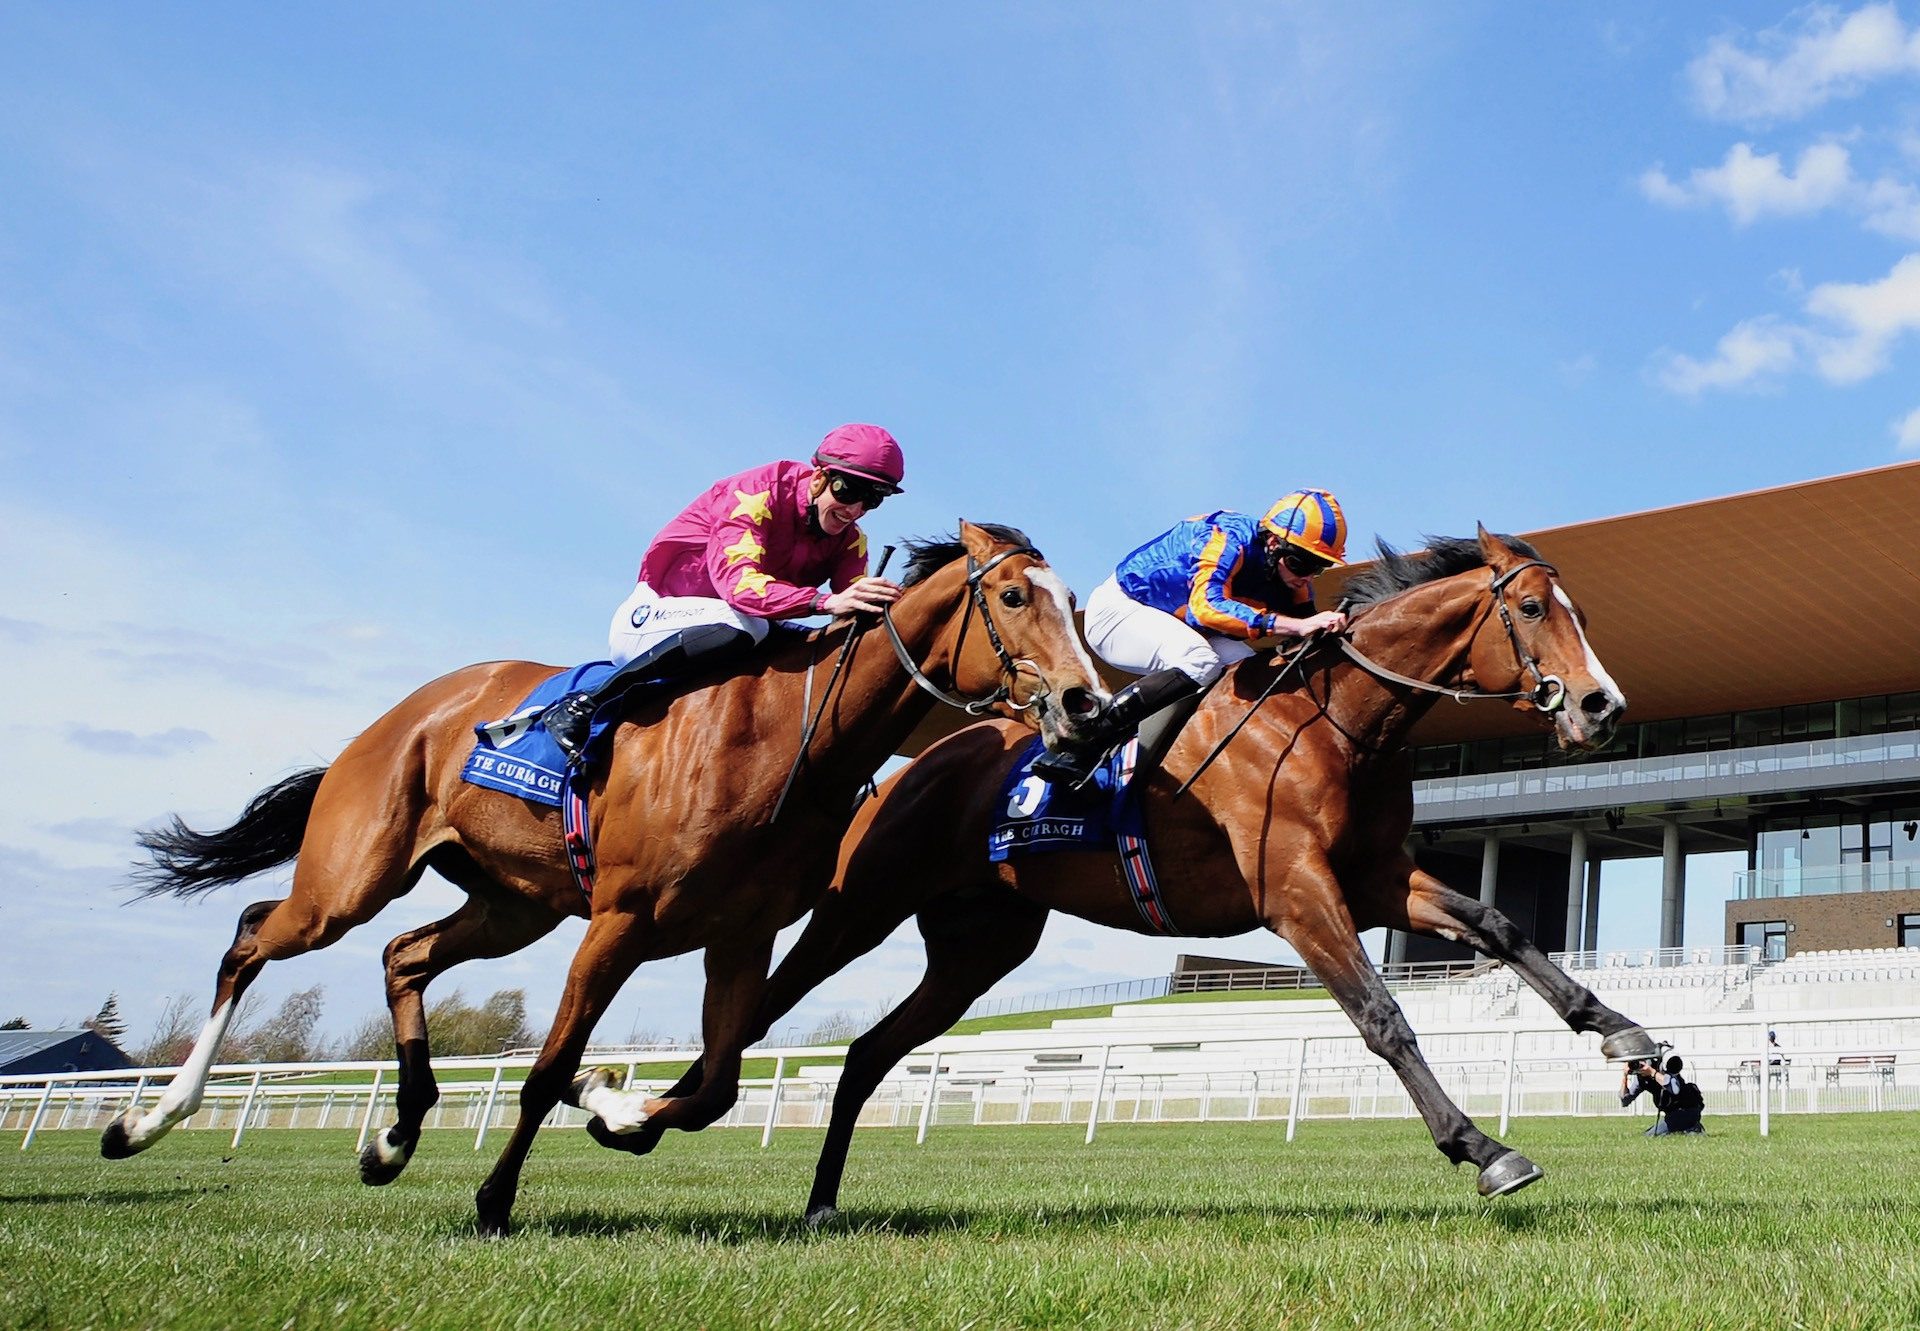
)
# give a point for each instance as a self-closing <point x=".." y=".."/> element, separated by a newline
<point x="1879" y="1070"/>
<point x="1661" y="958"/>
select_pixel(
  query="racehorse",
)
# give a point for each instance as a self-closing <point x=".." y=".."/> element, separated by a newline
<point x="1298" y="825"/>
<point x="682" y="818"/>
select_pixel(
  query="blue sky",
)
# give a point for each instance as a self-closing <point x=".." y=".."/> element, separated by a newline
<point x="308" y="316"/>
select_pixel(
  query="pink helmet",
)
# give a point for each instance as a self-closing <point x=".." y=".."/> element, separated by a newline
<point x="863" y="450"/>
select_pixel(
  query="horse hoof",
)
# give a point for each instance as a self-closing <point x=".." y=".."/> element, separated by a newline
<point x="380" y="1164"/>
<point x="822" y="1217"/>
<point x="116" y="1143"/>
<point x="489" y="1227"/>
<point x="1632" y="1043"/>
<point x="632" y="1143"/>
<point x="1510" y="1173"/>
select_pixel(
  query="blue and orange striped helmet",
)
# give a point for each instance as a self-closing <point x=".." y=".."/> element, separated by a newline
<point x="1312" y="521"/>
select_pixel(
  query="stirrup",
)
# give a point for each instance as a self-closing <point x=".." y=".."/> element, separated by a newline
<point x="568" y="724"/>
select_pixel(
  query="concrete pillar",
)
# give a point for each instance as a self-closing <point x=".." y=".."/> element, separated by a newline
<point x="1673" y="888"/>
<point x="1576" y="880"/>
<point x="1489" y="868"/>
<point x="1396" y="946"/>
<point x="1590" y="936"/>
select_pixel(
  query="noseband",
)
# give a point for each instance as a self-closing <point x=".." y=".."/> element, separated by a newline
<point x="1009" y="667"/>
<point x="1549" y="692"/>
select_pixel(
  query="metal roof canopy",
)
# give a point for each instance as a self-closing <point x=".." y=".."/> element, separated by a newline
<point x="1800" y="594"/>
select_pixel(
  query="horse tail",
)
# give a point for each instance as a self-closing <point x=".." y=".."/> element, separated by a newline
<point x="187" y="863"/>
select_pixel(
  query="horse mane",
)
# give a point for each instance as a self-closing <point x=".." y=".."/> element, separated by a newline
<point x="928" y="555"/>
<point x="1396" y="572"/>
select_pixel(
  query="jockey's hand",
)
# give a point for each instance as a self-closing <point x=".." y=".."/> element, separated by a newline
<point x="1327" y="621"/>
<point x="871" y="595"/>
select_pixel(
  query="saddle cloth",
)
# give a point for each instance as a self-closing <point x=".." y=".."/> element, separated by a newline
<point x="517" y="756"/>
<point x="1104" y="814"/>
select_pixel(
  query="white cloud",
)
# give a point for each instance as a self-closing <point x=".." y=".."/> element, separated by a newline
<point x="1791" y="71"/>
<point x="1907" y="431"/>
<point x="1754" y="351"/>
<point x="1871" y="317"/>
<point x="1864" y="321"/>
<point x="1751" y="186"/>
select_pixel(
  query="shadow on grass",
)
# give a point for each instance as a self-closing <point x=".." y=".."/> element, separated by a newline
<point x="739" y="1228"/>
<point x="116" y="1197"/>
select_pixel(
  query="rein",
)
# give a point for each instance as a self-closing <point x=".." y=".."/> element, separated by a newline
<point x="1010" y="668"/>
<point x="973" y="707"/>
<point x="1549" y="693"/>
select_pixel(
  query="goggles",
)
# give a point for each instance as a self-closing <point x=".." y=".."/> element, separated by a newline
<point x="857" y="490"/>
<point x="1302" y="564"/>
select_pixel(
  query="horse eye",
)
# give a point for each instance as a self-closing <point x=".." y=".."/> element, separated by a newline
<point x="1012" y="599"/>
<point x="1532" y="608"/>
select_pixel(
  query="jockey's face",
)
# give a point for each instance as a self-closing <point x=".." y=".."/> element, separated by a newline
<point x="833" y="514"/>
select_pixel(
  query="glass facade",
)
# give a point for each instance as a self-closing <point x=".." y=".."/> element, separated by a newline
<point x="1880" y="715"/>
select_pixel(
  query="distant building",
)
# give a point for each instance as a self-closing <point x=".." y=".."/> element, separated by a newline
<point x="34" y="1053"/>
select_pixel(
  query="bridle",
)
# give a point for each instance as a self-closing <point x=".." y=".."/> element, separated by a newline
<point x="1549" y="692"/>
<point x="1009" y="666"/>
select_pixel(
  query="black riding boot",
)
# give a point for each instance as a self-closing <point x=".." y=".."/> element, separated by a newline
<point x="568" y="718"/>
<point x="1132" y="705"/>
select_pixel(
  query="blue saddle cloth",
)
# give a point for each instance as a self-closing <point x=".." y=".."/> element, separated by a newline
<point x="516" y="755"/>
<point x="1036" y="815"/>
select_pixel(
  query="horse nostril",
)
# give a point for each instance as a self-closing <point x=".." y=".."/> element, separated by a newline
<point x="1079" y="702"/>
<point x="1597" y="704"/>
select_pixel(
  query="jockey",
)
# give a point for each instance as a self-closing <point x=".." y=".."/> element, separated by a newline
<point x="1183" y="607"/>
<point x="752" y="549"/>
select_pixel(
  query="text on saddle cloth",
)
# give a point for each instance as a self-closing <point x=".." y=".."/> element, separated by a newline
<point x="1035" y="816"/>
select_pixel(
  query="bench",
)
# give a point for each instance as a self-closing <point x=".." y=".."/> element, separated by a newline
<point x="1748" y="1073"/>
<point x="1880" y="1065"/>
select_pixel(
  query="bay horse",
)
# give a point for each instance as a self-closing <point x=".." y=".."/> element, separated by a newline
<point x="682" y="820"/>
<point x="1299" y="826"/>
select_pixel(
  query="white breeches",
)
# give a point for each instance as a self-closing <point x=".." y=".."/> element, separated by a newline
<point x="646" y="617"/>
<point x="1137" y="637"/>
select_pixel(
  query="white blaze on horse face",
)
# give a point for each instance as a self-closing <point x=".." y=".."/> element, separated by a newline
<point x="1055" y="586"/>
<point x="1594" y="668"/>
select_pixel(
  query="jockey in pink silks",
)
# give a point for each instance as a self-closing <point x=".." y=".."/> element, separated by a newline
<point x="753" y="548"/>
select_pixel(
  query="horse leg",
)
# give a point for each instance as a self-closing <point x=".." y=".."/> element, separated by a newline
<point x="133" y="1131"/>
<point x="972" y="941"/>
<point x="1313" y="917"/>
<point x="607" y="956"/>
<point x="491" y="923"/>
<point x="1434" y="908"/>
<point x="842" y="928"/>
<point x="736" y="975"/>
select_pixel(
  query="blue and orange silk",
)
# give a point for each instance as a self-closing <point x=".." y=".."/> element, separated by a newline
<point x="1206" y="571"/>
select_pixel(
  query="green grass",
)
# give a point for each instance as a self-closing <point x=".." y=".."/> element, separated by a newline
<point x="1227" y="1225"/>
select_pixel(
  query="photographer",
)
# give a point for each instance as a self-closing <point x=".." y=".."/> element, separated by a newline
<point x="1678" y="1100"/>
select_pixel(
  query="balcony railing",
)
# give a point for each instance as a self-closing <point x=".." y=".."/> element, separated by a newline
<point x="1827" y="880"/>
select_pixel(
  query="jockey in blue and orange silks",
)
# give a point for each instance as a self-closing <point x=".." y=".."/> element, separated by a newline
<point x="751" y="549"/>
<point x="1183" y="607"/>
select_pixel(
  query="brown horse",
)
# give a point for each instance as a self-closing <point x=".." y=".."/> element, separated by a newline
<point x="682" y="818"/>
<point x="1299" y="826"/>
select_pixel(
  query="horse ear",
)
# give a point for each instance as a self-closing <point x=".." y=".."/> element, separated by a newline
<point x="979" y="542"/>
<point x="1495" y="551"/>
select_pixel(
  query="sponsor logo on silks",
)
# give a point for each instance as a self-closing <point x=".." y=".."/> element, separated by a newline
<point x="639" y="615"/>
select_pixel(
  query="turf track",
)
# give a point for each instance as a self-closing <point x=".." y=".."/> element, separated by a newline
<point x="1354" y="1225"/>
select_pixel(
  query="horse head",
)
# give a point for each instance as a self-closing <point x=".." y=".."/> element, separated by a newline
<point x="1014" y="648"/>
<point x="1534" y="644"/>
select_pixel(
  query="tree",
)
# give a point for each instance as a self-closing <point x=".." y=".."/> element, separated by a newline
<point x="171" y="1039"/>
<point x="287" y="1035"/>
<point x="456" y="1027"/>
<point x="106" y="1022"/>
<point x="15" y="1024"/>
<point x="371" y="1039"/>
